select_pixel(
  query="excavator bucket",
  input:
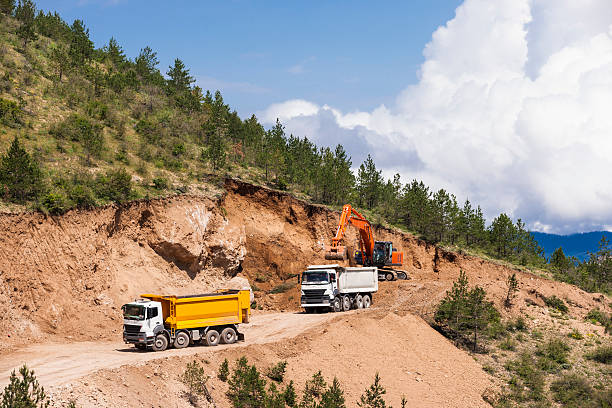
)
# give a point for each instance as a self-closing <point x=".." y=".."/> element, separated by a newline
<point x="335" y="253"/>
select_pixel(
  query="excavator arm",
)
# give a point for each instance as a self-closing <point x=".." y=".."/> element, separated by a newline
<point x="366" y="242"/>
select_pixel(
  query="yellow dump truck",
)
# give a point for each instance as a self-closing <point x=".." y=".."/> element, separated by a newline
<point x="156" y="322"/>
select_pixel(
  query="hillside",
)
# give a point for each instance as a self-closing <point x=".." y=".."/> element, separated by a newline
<point x="90" y="126"/>
<point x="80" y="267"/>
<point x="118" y="177"/>
<point x="578" y="245"/>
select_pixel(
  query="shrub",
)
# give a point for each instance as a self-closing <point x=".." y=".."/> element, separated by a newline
<point x="601" y="354"/>
<point x="78" y="128"/>
<point x="24" y="392"/>
<point x="575" y="334"/>
<point x="508" y="344"/>
<point x="556" y="303"/>
<point x="519" y="324"/>
<point x="597" y="316"/>
<point x="55" y="203"/>
<point x="553" y="354"/>
<point x="160" y="183"/>
<point x="282" y="288"/>
<point x="114" y="185"/>
<point x="572" y="390"/>
<point x="224" y="370"/>
<point x="195" y="379"/>
<point x="277" y="371"/>
<point x="10" y="114"/>
<point x="527" y="378"/>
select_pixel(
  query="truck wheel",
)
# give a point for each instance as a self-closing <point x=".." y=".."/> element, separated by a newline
<point x="181" y="340"/>
<point x="359" y="302"/>
<point x="212" y="338"/>
<point x="346" y="303"/>
<point x="337" y="305"/>
<point x="367" y="301"/>
<point x="160" y="343"/>
<point x="389" y="276"/>
<point x="228" y="336"/>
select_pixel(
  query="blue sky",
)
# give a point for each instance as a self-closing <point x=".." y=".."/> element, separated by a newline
<point x="352" y="55"/>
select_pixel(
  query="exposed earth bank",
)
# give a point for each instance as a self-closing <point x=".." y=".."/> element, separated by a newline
<point x="63" y="280"/>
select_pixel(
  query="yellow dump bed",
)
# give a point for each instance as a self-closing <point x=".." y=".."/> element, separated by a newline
<point x="211" y="309"/>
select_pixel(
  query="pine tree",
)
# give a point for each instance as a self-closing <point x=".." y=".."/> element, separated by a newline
<point x="81" y="48"/>
<point x="180" y="81"/>
<point x="246" y="387"/>
<point x="224" y="370"/>
<point x="25" y="13"/>
<point x="115" y="53"/>
<point x="59" y="59"/>
<point x="373" y="396"/>
<point x="369" y="183"/>
<point x="513" y="286"/>
<point x="502" y="233"/>
<point x="559" y="261"/>
<point x="333" y="397"/>
<point x="313" y="391"/>
<point x="20" y="176"/>
<point x="24" y="392"/>
<point x="290" y="395"/>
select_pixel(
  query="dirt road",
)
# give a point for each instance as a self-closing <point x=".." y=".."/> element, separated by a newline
<point x="56" y="364"/>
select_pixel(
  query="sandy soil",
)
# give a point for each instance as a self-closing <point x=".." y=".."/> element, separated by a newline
<point x="60" y="363"/>
<point x="63" y="279"/>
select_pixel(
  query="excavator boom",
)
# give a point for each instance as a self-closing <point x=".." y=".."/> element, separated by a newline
<point x="372" y="253"/>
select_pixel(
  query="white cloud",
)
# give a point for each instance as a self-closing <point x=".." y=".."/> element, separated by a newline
<point x="512" y="109"/>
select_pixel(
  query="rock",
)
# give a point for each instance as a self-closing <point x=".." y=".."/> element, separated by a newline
<point x="239" y="283"/>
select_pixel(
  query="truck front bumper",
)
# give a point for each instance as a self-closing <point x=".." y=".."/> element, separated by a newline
<point x="138" y="338"/>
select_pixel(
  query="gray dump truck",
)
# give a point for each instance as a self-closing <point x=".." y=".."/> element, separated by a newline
<point x="337" y="288"/>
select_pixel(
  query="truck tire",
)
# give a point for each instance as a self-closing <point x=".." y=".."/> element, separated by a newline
<point x="389" y="276"/>
<point x="212" y="338"/>
<point x="337" y="304"/>
<point x="181" y="340"/>
<point x="346" y="303"/>
<point x="367" y="301"/>
<point x="160" y="343"/>
<point x="359" y="302"/>
<point x="228" y="336"/>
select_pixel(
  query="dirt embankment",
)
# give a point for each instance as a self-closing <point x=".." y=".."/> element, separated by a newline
<point x="66" y="277"/>
<point x="412" y="359"/>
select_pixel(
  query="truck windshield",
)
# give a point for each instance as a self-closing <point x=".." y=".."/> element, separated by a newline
<point x="133" y="312"/>
<point x="312" y="277"/>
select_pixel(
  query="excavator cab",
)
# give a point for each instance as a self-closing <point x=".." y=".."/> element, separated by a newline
<point x="382" y="253"/>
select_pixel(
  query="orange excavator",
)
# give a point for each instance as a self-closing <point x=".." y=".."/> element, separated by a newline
<point x="371" y="253"/>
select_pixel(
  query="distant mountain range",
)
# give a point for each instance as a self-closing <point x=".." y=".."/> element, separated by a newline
<point x="577" y="245"/>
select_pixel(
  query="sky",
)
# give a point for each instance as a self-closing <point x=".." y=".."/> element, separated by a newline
<point x="505" y="103"/>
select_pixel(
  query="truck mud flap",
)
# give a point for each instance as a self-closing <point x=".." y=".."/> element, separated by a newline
<point x="240" y="336"/>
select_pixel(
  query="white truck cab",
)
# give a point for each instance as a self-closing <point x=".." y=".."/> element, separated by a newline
<point x="142" y="320"/>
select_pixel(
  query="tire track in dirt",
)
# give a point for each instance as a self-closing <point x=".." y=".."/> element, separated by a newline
<point x="61" y="363"/>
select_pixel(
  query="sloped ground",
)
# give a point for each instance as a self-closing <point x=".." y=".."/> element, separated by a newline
<point x="411" y="358"/>
<point x="63" y="279"/>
